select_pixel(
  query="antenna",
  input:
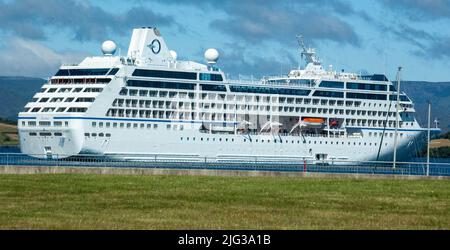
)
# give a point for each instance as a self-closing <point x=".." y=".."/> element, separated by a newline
<point x="397" y="107"/>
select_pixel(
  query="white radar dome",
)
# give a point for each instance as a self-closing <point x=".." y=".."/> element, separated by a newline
<point x="173" y="54"/>
<point x="109" y="48"/>
<point x="211" y="56"/>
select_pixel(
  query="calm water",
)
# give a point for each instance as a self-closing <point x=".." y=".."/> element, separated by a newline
<point x="16" y="149"/>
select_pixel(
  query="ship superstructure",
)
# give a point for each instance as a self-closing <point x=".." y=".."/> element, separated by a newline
<point x="149" y="104"/>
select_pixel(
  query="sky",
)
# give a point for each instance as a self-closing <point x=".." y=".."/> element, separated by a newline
<point x="253" y="37"/>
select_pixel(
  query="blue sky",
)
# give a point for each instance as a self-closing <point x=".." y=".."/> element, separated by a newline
<point x="253" y="37"/>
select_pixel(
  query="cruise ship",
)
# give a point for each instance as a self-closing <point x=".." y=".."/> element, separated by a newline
<point x="150" y="105"/>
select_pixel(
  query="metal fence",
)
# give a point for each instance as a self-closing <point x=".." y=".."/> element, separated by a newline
<point x="258" y="164"/>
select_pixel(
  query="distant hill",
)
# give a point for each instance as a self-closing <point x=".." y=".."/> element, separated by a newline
<point x="15" y="92"/>
<point x="436" y="92"/>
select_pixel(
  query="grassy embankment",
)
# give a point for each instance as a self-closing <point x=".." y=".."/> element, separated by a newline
<point x="8" y="134"/>
<point x="76" y="201"/>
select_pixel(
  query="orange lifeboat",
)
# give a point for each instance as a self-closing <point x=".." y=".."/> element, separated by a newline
<point x="313" y="122"/>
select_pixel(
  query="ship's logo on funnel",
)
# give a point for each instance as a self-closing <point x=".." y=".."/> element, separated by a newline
<point x="155" y="46"/>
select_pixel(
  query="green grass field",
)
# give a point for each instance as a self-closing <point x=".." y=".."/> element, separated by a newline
<point x="8" y="134"/>
<point x="77" y="201"/>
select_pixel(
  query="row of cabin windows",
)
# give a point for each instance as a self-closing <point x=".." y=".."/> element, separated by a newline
<point x="162" y="114"/>
<point x="70" y="90"/>
<point x="45" y="123"/>
<point x="277" y="141"/>
<point x="175" y="85"/>
<point x="153" y="104"/>
<point x="355" y="85"/>
<point x="54" y="109"/>
<point x="87" y="72"/>
<point x="134" y="125"/>
<point x="172" y="114"/>
<point x="80" y="80"/>
<point x="45" y="134"/>
<point x="379" y="134"/>
<point x="146" y="103"/>
<point x="177" y="75"/>
<point x="67" y="99"/>
<point x="95" y="135"/>
<point x="245" y="98"/>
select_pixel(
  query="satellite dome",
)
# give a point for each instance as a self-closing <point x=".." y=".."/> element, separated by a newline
<point x="109" y="48"/>
<point x="173" y="54"/>
<point x="211" y="56"/>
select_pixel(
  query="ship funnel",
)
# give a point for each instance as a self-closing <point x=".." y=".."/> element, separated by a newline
<point x="148" y="46"/>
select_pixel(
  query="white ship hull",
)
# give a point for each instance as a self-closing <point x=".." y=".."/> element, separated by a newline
<point x="190" y="144"/>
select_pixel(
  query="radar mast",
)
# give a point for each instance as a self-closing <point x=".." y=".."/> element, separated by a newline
<point x="307" y="52"/>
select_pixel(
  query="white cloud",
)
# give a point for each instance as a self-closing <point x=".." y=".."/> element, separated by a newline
<point x="21" y="57"/>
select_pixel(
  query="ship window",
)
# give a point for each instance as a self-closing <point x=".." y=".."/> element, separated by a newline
<point x="48" y="109"/>
<point x="76" y="90"/>
<point x="64" y="90"/>
<point x="403" y="98"/>
<point x="135" y="125"/>
<point x="100" y="135"/>
<point x="122" y="125"/>
<point x="366" y="96"/>
<point x="84" y="99"/>
<point x="332" y="84"/>
<point x="43" y="100"/>
<point x="94" y="134"/>
<point x="123" y="92"/>
<point x="364" y="86"/>
<point x="61" y="109"/>
<point x="77" y="110"/>
<point x="57" y="124"/>
<point x="70" y="99"/>
<point x="86" y="72"/>
<point x="95" y="90"/>
<point x="31" y="123"/>
<point x="86" y="134"/>
<point x="108" y="135"/>
<point x="165" y="74"/>
<point x="328" y="94"/>
<point x="266" y="90"/>
<point x="211" y="77"/>
<point x="34" y="110"/>
<point x="58" y="134"/>
<point x="51" y="90"/>
<point x="212" y="87"/>
<point x="45" y="134"/>
<point x="32" y="134"/>
<point x="100" y="124"/>
<point x="163" y="85"/>
<point x="94" y="124"/>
